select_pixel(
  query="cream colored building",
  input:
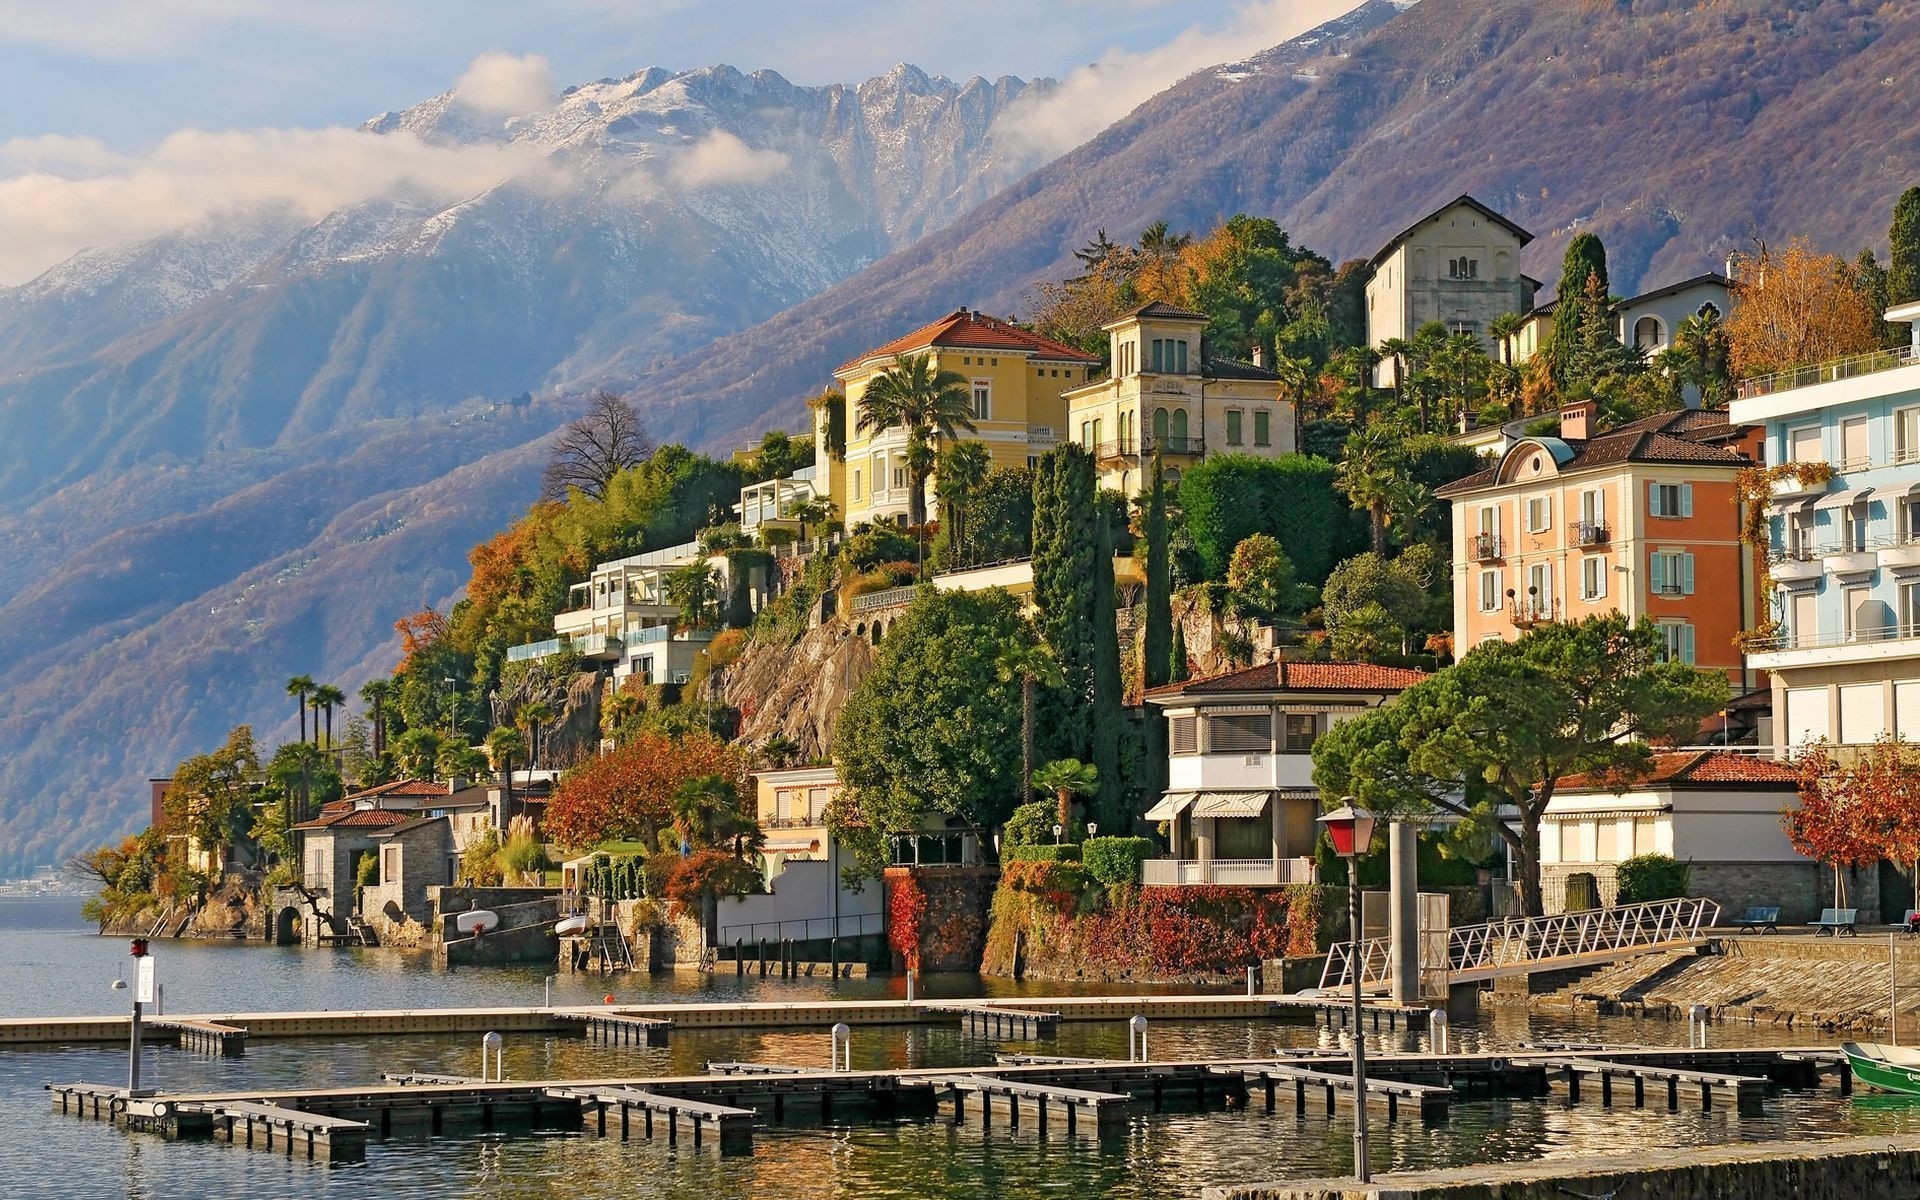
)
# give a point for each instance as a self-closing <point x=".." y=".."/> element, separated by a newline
<point x="1017" y="378"/>
<point x="1459" y="265"/>
<point x="1166" y="394"/>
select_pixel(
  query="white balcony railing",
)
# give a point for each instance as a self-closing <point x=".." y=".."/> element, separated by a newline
<point x="1242" y="872"/>
<point x="1827" y="372"/>
<point x="1828" y="639"/>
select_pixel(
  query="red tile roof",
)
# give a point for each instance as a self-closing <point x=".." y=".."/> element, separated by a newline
<point x="360" y="818"/>
<point x="964" y="330"/>
<point x="1291" y="676"/>
<point x="1696" y="769"/>
<point x="1689" y="436"/>
<point x="401" y="787"/>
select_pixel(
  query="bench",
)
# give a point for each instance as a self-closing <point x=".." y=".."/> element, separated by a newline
<point x="1835" y="921"/>
<point x="1760" y="919"/>
<point x="1907" y="923"/>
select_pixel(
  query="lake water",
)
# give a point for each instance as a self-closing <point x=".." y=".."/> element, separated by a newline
<point x="50" y="962"/>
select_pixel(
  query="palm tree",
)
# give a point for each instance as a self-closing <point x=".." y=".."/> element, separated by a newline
<point x="932" y="404"/>
<point x="327" y="697"/>
<point x="962" y="471"/>
<point x="1033" y="664"/>
<point x="692" y="588"/>
<point x="1158" y="238"/>
<point x="417" y="749"/>
<point x="1067" y="778"/>
<point x="1503" y="329"/>
<point x="300" y="687"/>
<point x="1370" y="473"/>
<point x="1098" y="250"/>
<point x="1401" y="351"/>
<point x="503" y="747"/>
<point x="706" y="812"/>
<point x="533" y="714"/>
<point x="457" y="760"/>
<point x="375" y="693"/>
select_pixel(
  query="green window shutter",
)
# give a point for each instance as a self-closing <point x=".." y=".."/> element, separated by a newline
<point x="1657" y="573"/>
<point x="1653" y="500"/>
<point x="1686" y="573"/>
<point x="1686" y="499"/>
<point x="1686" y="644"/>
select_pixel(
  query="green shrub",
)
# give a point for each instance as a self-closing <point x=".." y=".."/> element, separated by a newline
<point x="1113" y="860"/>
<point x="1031" y="824"/>
<point x="1649" y="877"/>
<point x="1047" y="852"/>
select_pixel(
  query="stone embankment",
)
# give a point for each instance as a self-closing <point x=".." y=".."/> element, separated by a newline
<point x="1794" y="981"/>
<point x="1871" y="1168"/>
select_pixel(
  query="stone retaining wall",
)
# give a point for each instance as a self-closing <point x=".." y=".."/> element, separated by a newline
<point x="1875" y="1168"/>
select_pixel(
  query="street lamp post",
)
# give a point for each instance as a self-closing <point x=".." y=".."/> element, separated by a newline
<point x="1350" y="828"/>
<point x="143" y="983"/>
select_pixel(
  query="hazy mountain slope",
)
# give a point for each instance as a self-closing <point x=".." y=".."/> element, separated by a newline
<point x="1675" y="130"/>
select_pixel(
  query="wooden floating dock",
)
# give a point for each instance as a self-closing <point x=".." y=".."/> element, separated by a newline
<point x="753" y="1068"/>
<point x="985" y="1020"/>
<point x="1746" y="1090"/>
<point x="207" y="1037"/>
<point x="257" y="1126"/>
<point x="1428" y="1102"/>
<point x="610" y="1028"/>
<point x="729" y="1130"/>
<point x="1338" y="1014"/>
<point x="1082" y="1110"/>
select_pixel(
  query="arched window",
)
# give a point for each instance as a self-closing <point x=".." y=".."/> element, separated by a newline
<point x="1647" y="333"/>
<point x="1159" y="424"/>
<point x="1178" y="430"/>
<point x="1709" y="309"/>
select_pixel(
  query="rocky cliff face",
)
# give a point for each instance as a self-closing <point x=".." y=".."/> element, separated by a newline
<point x="795" y="691"/>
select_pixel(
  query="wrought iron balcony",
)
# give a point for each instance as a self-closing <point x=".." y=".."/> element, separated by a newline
<point x="1173" y="445"/>
<point x="1486" y="547"/>
<point x="1592" y="533"/>
<point x="1528" y="611"/>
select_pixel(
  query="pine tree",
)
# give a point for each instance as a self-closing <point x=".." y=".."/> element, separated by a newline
<point x="1903" y="273"/>
<point x="1586" y="258"/>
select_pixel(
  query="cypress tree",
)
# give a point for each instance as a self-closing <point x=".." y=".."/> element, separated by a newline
<point x="1177" y="668"/>
<point x="1903" y="272"/>
<point x="1108" y="718"/>
<point x="1157" y="637"/>
<point x="1066" y="545"/>
<point x="1586" y="258"/>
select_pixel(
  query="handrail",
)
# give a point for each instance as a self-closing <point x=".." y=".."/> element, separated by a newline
<point x="833" y="927"/>
<point x="1821" y="641"/>
<point x="1519" y="945"/>
<point x="1872" y="362"/>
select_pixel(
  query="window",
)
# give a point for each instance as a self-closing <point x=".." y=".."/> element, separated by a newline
<point x="1800" y="535"/>
<point x="1908" y="528"/>
<point x="1539" y="514"/>
<point x="1463" y="268"/>
<point x="1672" y="573"/>
<point x="1183" y="735"/>
<point x="1159" y="360"/>
<point x="1593" y="578"/>
<point x="856" y="483"/>
<point x="389" y="864"/>
<point x="1234" y="421"/>
<point x="1240" y="733"/>
<point x="1471" y="327"/>
<point x="1906" y="435"/>
<point x="1852" y="601"/>
<point x="1803" y="445"/>
<point x="1489" y="591"/>
<point x="1169" y="356"/>
<point x="645" y="669"/>
<point x="1096" y="432"/>
<point x="982" y="400"/>
<point x="1676" y="642"/>
<point x="1593" y="508"/>
<point x="1159" y="423"/>
<point x="1262" y="427"/>
<point x="1647" y="334"/>
<point x="1489" y="520"/>
<point x="1853" y="445"/>
<point x="1540" y="586"/>
<point x="1670" y="499"/>
<point x="1302" y="731"/>
<point x="1909" y="608"/>
<point x="1803" y="619"/>
<point x="1853" y="528"/>
<point x="899" y="477"/>
<point x="1086" y="434"/>
<point x="1178" y="430"/>
<point x="880" y="473"/>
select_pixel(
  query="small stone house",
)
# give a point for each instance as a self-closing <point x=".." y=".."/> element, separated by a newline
<point x="332" y="846"/>
<point x="415" y="855"/>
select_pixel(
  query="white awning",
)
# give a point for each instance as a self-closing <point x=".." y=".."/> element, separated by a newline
<point x="1231" y="804"/>
<point x="1169" y="806"/>
<point x="1840" y="499"/>
<point x="791" y="847"/>
<point x="1887" y="493"/>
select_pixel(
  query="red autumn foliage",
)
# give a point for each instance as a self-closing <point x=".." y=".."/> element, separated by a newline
<point x="1855" y="813"/>
<point x="628" y="793"/>
<point x="906" y="910"/>
<point x="418" y="631"/>
<point x="705" y="873"/>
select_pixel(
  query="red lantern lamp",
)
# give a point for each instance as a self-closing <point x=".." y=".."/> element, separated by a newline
<point x="1350" y="827"/>
<point x="139" y="948"/>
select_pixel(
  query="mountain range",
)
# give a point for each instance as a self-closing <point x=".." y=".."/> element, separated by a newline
<point x="267" y="452"/>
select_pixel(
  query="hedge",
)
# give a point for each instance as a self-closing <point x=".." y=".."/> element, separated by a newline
<point x="1112" y="860"/>
<point x="1066" y="852"/>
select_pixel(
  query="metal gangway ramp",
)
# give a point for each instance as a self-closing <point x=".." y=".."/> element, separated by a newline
<point x="1523" y="945"/>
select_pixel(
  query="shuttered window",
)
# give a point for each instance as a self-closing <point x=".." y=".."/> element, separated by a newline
<point x="1241" y="733"/>
<point x="1183" y="735"/>
<point x="1303" y="729"/>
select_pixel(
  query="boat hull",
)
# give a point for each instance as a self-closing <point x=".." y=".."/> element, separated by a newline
<point x="1885" y="1076"/>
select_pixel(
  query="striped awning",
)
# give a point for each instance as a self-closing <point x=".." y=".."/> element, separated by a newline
<point x="1845" y="499"/>
<point x="1886" y="493"/>
<point x="1231" y="804"/>
<point x="1169" y="806"/>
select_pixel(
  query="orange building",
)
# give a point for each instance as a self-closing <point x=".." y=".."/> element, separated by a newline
<point x="1642" y="520"/>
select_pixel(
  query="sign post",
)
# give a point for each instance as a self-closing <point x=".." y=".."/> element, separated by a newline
<point x="145" y="981"/>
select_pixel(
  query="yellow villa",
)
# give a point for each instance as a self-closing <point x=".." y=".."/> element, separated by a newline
<point x="1018" y="379"/>
<point x="1166" y="393"/>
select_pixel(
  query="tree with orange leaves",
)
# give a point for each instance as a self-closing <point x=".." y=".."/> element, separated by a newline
<point x="1797" y="308"/>
<point x="417" y="632"/>
<point x="628" y="793"/>
<point x="1856" y="812"/>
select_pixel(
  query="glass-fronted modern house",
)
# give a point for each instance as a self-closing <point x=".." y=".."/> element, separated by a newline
<point x="1844" y="556"/>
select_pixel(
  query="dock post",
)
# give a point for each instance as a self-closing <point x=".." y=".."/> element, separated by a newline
<point x="1437" y="1027"/>
<point x="763" y="958"/>
<point x="739" y="958"/>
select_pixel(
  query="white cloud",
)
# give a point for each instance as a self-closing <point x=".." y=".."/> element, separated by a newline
<point x="721" y="158"/>
<point x="506" y="85"/>
<point x="1095" y="96"/>
<point x="60" y="195"/>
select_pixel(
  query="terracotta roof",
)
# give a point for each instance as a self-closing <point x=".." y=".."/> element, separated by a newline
<point x="1291" y="676"/>
<point x="964" y="330"/>
<point x="1161" y="309"/>
<point x="401" y="787"/>
<point x="1694" y="768"/>
<point x="1686" y="437"/>
<point x="1497" y="218"/>
<point x="409" y="825"/>
<point x="359" y="818"/>
<point x="1232" y="368"/>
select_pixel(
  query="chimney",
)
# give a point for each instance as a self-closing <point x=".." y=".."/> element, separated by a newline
<point x="1259" y="355"/>
<point x="1577" y="420"/>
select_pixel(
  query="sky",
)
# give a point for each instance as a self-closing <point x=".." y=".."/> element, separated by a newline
<point x="119" y="118"/>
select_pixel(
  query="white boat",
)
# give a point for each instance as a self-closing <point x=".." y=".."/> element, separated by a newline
<point x="571" y="926"/>
<point x="478" y="920"/>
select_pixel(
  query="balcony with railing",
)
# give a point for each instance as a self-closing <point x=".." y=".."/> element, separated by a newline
<point x="1240" y="872"/>
<point x="1118" y="451"/>
<point x="1486" y="547"/>
<point x="1173" y="444"/>
<point x="1527" y="611"/>
<point x="1592" y="533"/>
<point x="1851" y="367"/>
<point x="1871" y="642"/>
<point x="597" y="645"/>
<point x="536" y="650"/>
